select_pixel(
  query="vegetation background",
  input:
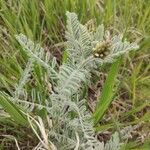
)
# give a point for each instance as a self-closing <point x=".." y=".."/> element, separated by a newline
<point x="44" y="21"/>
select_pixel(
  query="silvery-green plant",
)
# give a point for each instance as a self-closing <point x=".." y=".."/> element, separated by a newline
<point x="72" y="126"/>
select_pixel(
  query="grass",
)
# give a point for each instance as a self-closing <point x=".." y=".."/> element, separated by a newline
<point x="13" y="111"/>
<point x="107" y="93"/>
<point x="44" y="22"/>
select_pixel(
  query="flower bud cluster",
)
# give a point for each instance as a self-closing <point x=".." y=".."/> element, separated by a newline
<point x="101" y="50"/>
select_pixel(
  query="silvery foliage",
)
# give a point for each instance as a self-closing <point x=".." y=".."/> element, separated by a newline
<point x="71" y="119"/>
<point x="113" y="143"/>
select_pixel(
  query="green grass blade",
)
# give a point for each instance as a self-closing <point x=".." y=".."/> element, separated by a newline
<point x="107" y="92"/>
<point x="12" y="109"/>
<point x="65" y="56"/>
